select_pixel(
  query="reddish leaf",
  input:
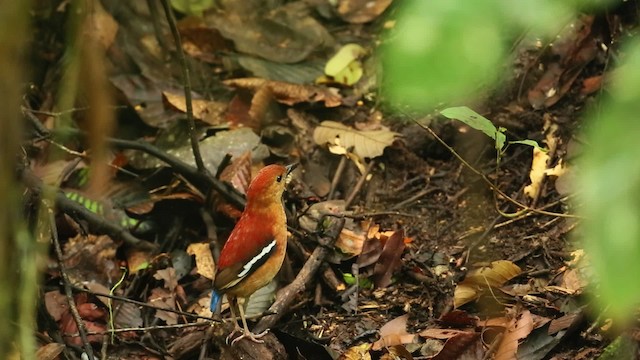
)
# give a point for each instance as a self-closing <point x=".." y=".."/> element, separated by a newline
<point x="390" y="260"/>
<point x="463" y="346"/>
<point x="518" y="329"/>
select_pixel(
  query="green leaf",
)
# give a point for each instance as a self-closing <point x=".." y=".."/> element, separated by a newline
<point x="531" y="143"/>
<point x="476" y="121"/>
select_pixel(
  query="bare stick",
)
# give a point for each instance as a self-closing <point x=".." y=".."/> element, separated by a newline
<point x="96" y="222"/>
<point x="358" y="186"/>
<point x="287" y="295"/>
<point x="187" y="85"/>
<point x="67" y="286"/>
<point x="336" y="177"/>
<point x="203" y="181"/>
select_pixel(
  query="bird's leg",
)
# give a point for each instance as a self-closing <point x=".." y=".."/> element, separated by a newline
<point x="247" y="333"/>
<point x="233" y="303"/>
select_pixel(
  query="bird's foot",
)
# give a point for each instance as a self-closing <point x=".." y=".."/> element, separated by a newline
<point x="249" y="335"/>
<point x="236" y="329"/>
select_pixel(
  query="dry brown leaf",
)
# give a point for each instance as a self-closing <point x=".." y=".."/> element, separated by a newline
<point x="137" y="260"/>
<point x="288" y="93"/>
<point x="169" y="277"/>
<point x="441" y="334"/>
<point x="518" y="329"/>
<point x="204" y="259"/>
<point x="128" y="315"/>
<point x="208" y="111"/>
<point x="350" y="242"/>
<point x="238" y="174"/>
<point x="369" y="143"/>
<point x="162" y="298"/>
<point x="465" y="293"/>
<point x="49" y="351"/>
<point x="495" y="275"/>
<point x="359" y="352"/>
<point x="390" y="260"/>
<point x="394" y="333"/>
<point x="466" y="345"/>
<point x="56" y="304"/>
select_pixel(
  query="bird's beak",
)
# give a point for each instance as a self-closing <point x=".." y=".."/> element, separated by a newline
<point x="291" y="167"/>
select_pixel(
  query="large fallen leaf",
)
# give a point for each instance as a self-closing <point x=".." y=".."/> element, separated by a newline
<point x="288" y="93"/>
<point x="465" y="345"/>
<point x="366" y="143"/>
<point x="286" y="34"/>
<point x="495" y="275"/>
<point x="390" y="260"/>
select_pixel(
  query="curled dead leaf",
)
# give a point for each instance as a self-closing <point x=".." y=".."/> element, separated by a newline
<point x="204" y="259"/>
<point x="288" y="93"/>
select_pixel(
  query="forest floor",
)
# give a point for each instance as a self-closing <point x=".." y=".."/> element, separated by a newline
<point x="436" y="258"/>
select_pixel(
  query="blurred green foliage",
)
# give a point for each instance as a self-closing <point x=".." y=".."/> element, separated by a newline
<point x="443" y="51"/>
<point x="609" y="190"/>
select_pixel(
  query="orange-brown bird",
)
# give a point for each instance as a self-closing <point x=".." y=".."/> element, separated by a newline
<point x="255" y="250"/>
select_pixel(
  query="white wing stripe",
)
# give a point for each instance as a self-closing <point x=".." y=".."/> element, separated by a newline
<point x="247" y="267"/>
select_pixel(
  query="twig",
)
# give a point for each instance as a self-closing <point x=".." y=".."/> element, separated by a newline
<point x="149" y="328"/>
<point x="140" y="303"/>
<point x="67" y="286"/>
<point x="359" y="184"/>
<point x="200" y="180"/>
<point x="418" y="196"/>
<point x="286" y="295"/>
<point x="187" y="85"/>
<point x="96" y="222"/>
<point x="336" y="177"/>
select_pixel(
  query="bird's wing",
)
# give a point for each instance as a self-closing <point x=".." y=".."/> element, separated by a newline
<point x="247" y="248"/>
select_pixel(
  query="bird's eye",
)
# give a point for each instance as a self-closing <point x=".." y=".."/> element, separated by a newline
<point x="279" y="178"/>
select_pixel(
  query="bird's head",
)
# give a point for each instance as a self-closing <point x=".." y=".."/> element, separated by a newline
<point x="269" y="184"/>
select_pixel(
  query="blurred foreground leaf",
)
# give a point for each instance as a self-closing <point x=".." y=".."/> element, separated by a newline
<point x="610" y="191"/>
<point x="443" y="51"/>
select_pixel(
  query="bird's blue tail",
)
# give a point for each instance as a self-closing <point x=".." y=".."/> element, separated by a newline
<point x="215" y="299"/>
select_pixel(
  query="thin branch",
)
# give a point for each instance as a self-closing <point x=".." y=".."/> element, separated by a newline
<point x="359" y="184"/>
<point x="144" y="304"/>
<point x="67" y="286"/>
<point x="148" y="328"/>
<point x="96" y="222"/>
<point x="287" y="295"/>
<point x="187" y="85"/>
<point x="204" y="181"/>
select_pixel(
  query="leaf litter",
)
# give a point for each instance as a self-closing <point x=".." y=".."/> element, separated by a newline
<point x="416" y="295"/>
